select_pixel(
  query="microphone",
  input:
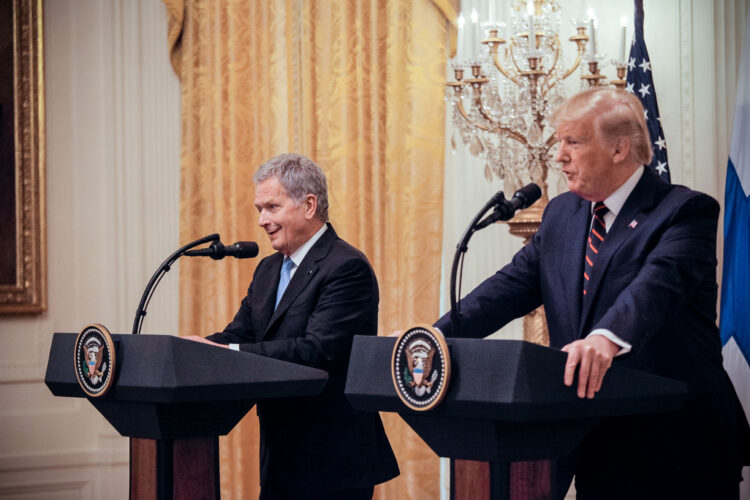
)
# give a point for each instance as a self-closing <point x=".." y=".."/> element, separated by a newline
<point x="504" y="210"/>
<point x="217" y="250"/>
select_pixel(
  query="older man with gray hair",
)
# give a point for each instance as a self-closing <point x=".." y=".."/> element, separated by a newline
<point x="305" y="304"/>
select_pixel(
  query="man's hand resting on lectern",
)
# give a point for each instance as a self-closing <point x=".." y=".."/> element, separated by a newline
<point x="594" y="355"/>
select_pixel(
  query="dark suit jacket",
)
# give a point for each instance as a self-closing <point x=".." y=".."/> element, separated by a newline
<point x="319" y="443"/>
<point x="653" y="284"/>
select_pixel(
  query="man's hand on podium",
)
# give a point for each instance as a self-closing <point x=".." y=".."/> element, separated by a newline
<point x="594" y="355"/>
<point x="197" y="338"/>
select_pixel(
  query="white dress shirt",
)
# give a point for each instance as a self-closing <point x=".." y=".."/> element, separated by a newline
<point x="300" y="253"/>
<point x="614" y="204"/>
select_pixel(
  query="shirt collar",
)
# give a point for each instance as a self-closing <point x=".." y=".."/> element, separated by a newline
<point x="298" y="256"/>
<point x="616" y="200"/>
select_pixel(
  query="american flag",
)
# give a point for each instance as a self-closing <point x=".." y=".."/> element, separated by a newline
<point x="641" y="83"/>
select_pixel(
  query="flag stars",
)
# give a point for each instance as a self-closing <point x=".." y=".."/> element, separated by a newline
<point x="640" y="83"/>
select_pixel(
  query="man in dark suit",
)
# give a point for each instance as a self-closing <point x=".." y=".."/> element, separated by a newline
<point x="305" y="304"/>
<point x="625" y="266"/>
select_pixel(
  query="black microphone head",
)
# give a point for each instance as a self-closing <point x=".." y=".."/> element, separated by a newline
<point x="242" y="250"/>
<point x="528" y="194"/>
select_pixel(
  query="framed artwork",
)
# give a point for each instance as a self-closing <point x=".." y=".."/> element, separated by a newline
<point x="23" y="256"/>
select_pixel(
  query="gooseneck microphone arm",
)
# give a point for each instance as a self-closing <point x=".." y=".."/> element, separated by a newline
<point x="503" y="210"/>
<point x="156" y="278"/>
<point x="458" y="258"/>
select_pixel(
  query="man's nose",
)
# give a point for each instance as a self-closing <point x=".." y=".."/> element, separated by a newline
<point x="262" y="218"/>
<point x="560" y="154"/>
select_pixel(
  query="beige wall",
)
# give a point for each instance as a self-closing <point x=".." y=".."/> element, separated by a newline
<point x="112" y="190"/>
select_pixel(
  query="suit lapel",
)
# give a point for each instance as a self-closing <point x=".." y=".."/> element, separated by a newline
<point x="636" y="208"/>
<point x="270" y="283"/>
<point x="576" y="231"/>
<point x="302" y="276"/>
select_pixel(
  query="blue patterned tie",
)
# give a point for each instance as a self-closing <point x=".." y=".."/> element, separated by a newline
<point x="286" y="270"/>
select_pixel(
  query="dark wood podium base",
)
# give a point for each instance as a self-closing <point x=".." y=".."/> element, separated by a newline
<point x="179" y="469"/>
<point x="474" y="480"/>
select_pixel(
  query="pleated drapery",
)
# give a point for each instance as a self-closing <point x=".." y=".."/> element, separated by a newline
<point x="358" y="87"/>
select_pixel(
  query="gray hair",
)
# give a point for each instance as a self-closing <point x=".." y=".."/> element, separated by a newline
<point x="299" y="176"/>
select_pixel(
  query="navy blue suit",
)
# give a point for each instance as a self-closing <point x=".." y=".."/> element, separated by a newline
<point x="317" y="444"/>
<point x="653" y="285"/>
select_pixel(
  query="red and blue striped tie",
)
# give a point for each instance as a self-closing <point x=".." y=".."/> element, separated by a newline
<point x="596" y="238"/>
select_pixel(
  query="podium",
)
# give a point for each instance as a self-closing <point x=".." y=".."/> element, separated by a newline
<point x="506" y="401"/>
<point x="174" y="397"/>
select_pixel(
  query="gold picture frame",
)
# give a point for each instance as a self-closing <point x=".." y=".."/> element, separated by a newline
<point x="23" y="253"/>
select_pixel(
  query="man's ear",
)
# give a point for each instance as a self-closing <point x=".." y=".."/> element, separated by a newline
<point x="311" y="206"/>
<point x="621" y="150"/>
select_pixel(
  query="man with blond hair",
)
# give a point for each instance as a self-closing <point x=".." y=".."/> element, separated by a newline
<point x="625" y="266"/>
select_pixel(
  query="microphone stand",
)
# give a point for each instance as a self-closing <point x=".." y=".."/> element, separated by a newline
<point x="156" y="278"/>
<point x="458" y="257"/>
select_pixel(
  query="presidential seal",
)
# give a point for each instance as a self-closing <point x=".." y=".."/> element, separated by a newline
<point x="95" y="360"/>
<point x="421" y="367"/>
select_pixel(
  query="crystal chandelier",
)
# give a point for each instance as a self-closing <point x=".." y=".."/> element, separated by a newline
<point x="501" y="100"/>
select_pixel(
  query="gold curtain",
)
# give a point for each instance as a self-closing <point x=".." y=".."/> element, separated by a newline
<point x="358" y="87"/>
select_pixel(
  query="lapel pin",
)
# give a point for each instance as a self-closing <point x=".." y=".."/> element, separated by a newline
<point x="632" y="224"/>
